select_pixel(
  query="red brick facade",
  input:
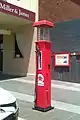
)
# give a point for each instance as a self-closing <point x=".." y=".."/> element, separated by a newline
<point x="59" y="10"/>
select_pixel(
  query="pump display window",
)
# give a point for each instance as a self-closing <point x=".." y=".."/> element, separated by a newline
<point x="44" y="34"/>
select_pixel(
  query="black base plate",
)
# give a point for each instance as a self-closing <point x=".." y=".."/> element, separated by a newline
<point x="43" y="109"/>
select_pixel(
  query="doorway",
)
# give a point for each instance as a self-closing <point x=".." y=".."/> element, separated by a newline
<point x="1" y="53"/>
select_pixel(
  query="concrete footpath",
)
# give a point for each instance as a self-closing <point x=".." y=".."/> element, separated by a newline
<point x="65" y="99"/>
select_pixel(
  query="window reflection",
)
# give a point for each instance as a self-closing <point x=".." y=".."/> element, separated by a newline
<point x="43" y="34"/>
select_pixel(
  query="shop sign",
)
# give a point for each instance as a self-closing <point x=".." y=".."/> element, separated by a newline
<point x="10" y="9"/>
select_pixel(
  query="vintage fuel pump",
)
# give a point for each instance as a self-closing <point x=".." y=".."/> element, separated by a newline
<point x="43" y="66"/>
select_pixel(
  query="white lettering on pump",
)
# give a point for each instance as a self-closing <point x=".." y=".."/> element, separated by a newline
<point x="40" y="61"/>
<point x="40" y="80"/>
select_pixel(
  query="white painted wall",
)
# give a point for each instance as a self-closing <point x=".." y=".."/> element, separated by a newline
<point x="27" y="37"/>
<point x="16" y="66"/>
<point x="10" y="64"/>
<point x="20" y="66"/>
<point x="26" y="4"/>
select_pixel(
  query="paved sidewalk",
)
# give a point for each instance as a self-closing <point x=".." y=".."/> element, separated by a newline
<point x="66" y="100"/>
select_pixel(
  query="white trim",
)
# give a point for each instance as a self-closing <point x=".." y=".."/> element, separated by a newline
<point x="5" y="32"/>
<point x="32" y="74"/>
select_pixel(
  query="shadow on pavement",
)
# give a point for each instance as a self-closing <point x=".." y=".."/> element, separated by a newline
<point x="6" y="76"/>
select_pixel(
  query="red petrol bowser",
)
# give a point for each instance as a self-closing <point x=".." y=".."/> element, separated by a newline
<point x="43" y="66"/>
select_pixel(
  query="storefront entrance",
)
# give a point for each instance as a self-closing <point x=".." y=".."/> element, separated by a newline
<point x="14" y="54"/>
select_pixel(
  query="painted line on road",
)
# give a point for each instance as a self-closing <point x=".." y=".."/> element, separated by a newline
<point x="14" y="79"/>
<point x="71" y="88"/>
<point x="57" y="104"/>
<point x="20" y="118"/>
<point x="67" y="83"/>
<point x="75" y="87"/>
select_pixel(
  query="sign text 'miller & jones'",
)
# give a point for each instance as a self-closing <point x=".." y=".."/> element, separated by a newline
<point x="16" y="11"/>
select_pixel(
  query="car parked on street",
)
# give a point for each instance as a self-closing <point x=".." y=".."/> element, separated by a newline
<point x="9" y="109"/>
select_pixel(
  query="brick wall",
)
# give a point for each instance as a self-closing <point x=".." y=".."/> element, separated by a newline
<point x="59" y="10"/>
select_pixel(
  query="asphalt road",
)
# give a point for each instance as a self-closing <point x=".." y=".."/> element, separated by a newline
<point x="65" y="99"/>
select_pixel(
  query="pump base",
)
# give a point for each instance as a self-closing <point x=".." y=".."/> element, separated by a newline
<point x="43" y="109"/>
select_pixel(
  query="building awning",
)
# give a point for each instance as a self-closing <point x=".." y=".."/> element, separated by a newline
<point x="13" y="15"/>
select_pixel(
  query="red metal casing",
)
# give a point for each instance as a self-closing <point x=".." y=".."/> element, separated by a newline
<point x="43" y="73"/>
<point x="43" y="93"/>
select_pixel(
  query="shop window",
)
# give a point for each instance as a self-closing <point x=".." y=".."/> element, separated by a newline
<point x="18" y="53"/>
